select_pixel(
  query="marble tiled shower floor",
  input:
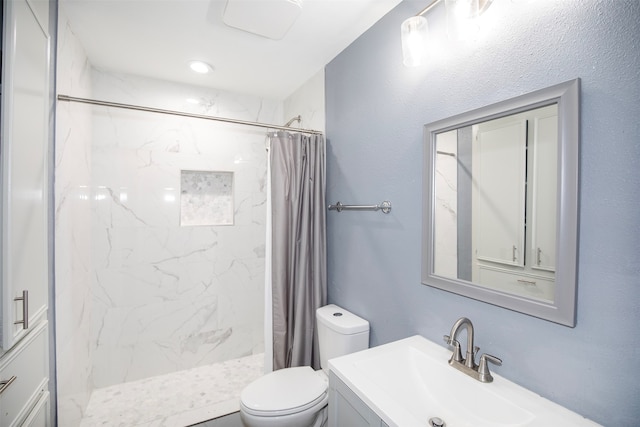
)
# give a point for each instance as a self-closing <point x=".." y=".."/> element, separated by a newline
<point x="174" y="400"/>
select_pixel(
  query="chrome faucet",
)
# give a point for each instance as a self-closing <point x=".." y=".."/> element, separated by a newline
<point x="469" y="360"/>
<point x="468" y="364"/>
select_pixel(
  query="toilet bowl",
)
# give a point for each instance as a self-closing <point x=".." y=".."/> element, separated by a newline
<point x="289" y="397"/>
<point x="297" y="397"/>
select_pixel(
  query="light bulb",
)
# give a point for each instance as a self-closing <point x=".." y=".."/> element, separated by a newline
<point x="461" y="18"/>
<point x="414" y="39"/>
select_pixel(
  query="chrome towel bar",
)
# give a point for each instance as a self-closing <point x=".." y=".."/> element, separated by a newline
<point x="385" y="207"/>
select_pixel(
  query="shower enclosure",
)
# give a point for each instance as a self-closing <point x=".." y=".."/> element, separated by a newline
<point x="160" y="230"/>
<point x="178" y="229"/>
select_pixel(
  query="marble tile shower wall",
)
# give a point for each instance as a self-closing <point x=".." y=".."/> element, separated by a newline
<point x="73" y="276"/>
<point x="168" y="297"/>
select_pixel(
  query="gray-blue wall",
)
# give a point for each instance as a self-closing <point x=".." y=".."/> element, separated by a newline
<point x="375" y="112"/>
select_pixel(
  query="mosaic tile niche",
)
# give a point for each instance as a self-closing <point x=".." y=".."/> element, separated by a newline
<point x="206" y="198"/>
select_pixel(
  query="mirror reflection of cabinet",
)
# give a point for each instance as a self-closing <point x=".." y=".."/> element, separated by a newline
<point x="24" y="141"/>
<point x="514" y="165"/>
<point x="503" y="228"/>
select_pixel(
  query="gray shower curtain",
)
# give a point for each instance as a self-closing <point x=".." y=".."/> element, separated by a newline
<point x="299" y="282"/>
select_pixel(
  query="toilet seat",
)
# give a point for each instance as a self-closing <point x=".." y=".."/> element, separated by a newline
<point x="284" y="392"/>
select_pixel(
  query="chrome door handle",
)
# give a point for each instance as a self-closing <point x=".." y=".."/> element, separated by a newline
<point x="6" y="383"/>
<point x="25" y="310"/>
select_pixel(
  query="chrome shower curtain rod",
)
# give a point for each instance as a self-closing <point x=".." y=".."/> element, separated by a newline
<point x="183" y="114"/>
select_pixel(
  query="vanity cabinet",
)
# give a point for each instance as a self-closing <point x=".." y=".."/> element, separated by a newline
<point x="39" y="415"/>
<point x="25" y="117"/>
<point x="26" y="368"/>
<point x="347" y="409"/>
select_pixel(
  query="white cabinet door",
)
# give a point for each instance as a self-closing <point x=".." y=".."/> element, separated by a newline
<point x="26" y="369"/>
<point x="24" y="111"/>
<point x="39" y="416"/>
<point x="544" y="183"/>
<point x="499" y="191"/>
<point x="347" y="409"/>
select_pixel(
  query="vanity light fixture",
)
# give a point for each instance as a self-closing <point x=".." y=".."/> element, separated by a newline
<point x="460" y="17"/>
<point x="200" y="67"/>
<point x="414" y="33"/>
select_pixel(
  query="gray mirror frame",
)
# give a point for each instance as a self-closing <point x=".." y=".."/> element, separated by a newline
<point x="563" y="309"/>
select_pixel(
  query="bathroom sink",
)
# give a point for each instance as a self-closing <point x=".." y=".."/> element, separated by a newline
<point x="413" y="378"/>
<point x="408" y="382"/>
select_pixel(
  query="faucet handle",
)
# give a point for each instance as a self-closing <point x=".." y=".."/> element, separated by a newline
<point x="457" y="353"/>
<point x="483" y="368"/>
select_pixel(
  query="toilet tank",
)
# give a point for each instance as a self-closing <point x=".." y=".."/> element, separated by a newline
<point x="340" y="332"/>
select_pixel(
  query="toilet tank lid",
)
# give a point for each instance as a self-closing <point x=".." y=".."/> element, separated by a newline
<point x="340" y="320"/>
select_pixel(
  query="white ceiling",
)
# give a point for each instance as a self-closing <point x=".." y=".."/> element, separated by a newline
<point x="157" y="38"/>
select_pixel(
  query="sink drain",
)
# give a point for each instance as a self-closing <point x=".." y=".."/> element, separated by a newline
<point x="436" y="422"/>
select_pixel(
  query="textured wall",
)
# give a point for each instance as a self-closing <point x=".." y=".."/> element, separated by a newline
<point x="375" y="112"/>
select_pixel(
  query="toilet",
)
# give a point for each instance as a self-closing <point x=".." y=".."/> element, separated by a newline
<point x="297" y="397"/>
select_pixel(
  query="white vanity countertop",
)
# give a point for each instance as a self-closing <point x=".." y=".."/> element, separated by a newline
<point x="407" y="382"/>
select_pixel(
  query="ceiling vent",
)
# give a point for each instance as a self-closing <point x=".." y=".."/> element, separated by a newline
<point x="267" y="18"/>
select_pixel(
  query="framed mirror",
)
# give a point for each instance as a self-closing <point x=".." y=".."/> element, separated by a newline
<point x="500" y="203"/>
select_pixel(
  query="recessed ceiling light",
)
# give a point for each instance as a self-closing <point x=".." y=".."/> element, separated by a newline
<point x="200" y="67"/>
